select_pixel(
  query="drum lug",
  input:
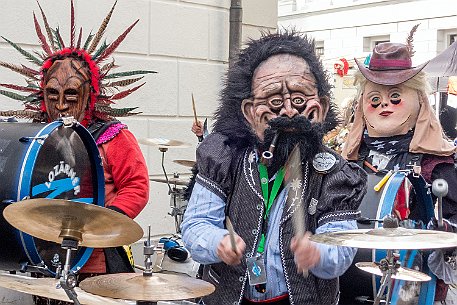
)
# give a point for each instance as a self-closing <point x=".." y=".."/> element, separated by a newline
<point x="68" y="121"/>
<point x="40" y="140"/>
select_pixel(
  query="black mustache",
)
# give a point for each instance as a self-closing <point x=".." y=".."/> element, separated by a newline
<point x="292" y="131"/>
<point x="297" y="123"/>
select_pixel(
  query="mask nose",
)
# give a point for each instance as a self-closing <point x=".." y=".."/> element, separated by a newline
<point x="62" y="104"/>
<point x="288" y="110"/>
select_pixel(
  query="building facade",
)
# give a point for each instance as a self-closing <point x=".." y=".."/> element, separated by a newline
<point x="351" y="28"/>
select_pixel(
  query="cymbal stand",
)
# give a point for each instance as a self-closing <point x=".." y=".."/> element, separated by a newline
<point x="388" y="267"/>
<point x="174" y="192"/>
<point x="163" y="150"/>
<point x="67" y="278"/>
<point x="148" y="269"/>
<point x="177" y="208"/>
<point x="148" y="251"/>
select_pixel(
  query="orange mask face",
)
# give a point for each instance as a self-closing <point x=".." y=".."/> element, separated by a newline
<point x="283" y="85"/>
<point x="389" y="110"/>
<point x="67" y="89"/>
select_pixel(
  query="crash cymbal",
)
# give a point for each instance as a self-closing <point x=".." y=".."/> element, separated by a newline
<point x="163" y="143"/>
<point x="46" y="287"/>
<point x="390" y="238"/>
<point x="92" y="225"/>
<point x="136" y="286"/>
<point x="171" y="180"/>
<point x="405" y="274"/>
<point x="188" y="163"/>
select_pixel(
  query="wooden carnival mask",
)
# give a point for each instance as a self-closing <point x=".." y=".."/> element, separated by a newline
<point x="67" y="89"/>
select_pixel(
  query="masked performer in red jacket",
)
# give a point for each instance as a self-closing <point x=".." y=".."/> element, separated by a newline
<point x="77" y="80"/>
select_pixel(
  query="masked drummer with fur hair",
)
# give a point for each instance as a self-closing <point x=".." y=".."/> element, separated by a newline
<point x="395" y="128"/>
<point x="276" y="87"/>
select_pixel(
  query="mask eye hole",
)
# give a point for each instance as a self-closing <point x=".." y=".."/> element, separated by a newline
<point x="395" y="99"/>
<point x="375" y="101"/>
<point x="276" y="103"/>
<point x="298" y="101"/>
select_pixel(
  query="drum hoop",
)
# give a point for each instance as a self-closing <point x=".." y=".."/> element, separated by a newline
<point x="28" y="242"/>
<point x="387" y="199"/>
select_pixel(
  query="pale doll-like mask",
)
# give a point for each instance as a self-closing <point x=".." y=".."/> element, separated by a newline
<point x="389" y="110"/>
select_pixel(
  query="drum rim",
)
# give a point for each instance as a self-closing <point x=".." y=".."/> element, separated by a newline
<point x="24" y="184"/>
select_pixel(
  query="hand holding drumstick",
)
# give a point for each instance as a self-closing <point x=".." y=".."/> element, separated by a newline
<point x="197" y="125"/>
<point x="231" y="248"/>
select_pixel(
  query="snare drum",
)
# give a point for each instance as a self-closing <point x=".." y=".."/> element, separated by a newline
<point x="357" y="285"/>
<point x="45" y="161"/>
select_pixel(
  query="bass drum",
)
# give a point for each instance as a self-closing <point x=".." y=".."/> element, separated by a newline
<point x="357" y="286"/>
<point x="53" y="160"/>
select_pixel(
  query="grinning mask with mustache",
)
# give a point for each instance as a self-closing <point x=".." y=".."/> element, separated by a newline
<point x="285" y="98"/>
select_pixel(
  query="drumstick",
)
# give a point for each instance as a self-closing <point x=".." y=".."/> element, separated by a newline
<point x="383" y="181"/>
<point x="293" y="170"/>
<point x="368" y="164"/>
<point x="229" y="225"/>
<point x="193" y="108"/>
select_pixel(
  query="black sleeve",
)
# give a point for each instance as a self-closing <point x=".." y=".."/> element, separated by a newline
<point x="214" y="161"/>
<point x="342" y="193"/>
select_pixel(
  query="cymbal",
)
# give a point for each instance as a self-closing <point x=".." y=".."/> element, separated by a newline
<point x="163" y="143"/>
<point x="46" y="287"/>
<point x="171" y="180"/>
<point x="188" y="163"/>
<point x="390" y="238"/>
<point x="136" y="286"/>
<point x="405" y="274"/>
<point x="54" y="219"/>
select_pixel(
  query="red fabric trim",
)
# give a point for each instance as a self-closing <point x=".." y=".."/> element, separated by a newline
<point x="386" y="64"/>
<point x="430" y="161"/>
<point x="275" y="299"/>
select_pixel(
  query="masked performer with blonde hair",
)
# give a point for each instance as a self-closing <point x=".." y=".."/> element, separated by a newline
<point x="395" y="129"/>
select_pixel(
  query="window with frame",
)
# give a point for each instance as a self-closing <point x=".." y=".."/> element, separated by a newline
<point x="319" y="48"/>
<point x="371" y="41"/>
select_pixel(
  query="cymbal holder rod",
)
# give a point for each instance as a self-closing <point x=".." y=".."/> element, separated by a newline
<point x="440" y="190"/>
<point x="388" y="267"/>
<point x="148" y="251"/>
<point x="175" y="208"/>
<point x="163" y="150"/>
<point x="68" y="279"/>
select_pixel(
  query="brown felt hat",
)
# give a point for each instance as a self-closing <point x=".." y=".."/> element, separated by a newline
<point x="390" y="64"/>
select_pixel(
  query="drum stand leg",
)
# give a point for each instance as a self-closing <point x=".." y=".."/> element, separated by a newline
<point x="388" y="266"/>
<point x="67" y="278"/>
<point x="176" y="209"/>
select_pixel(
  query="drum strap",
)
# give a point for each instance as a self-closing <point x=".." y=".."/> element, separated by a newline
<point x="99" y="127"/>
